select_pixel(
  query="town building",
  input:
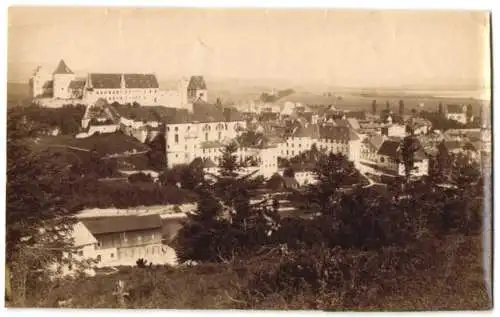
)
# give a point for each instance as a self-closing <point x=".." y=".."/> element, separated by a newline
<point x="190" y="136"/>
<point x="457" y="113"/>
<point x="388" y="159"/>
<point x="120" y="239"/>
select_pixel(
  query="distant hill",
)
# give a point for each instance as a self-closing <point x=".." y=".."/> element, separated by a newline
<point x="266" y="97"/>
<point x="17" y="93"/>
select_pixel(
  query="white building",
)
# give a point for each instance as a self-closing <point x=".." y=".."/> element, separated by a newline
<point x="62" y="87"/>
<point x="186" y="135"/>
<point x="388" y="161"/>
<point x="327" y="137"/>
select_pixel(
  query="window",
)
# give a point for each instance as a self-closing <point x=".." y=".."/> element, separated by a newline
<point x="382" y="159"/>
<point x="176" y="129"/>
<point x="176" y="138"/>
<point x="111" y="255"/>
<point x="206" y="136"/>
<point x="80" y="253"/>
<point x="98" y="258"/>
<point x="220" y="135"/>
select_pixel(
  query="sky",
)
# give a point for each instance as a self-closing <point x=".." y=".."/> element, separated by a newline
<point x="344" y="48"/>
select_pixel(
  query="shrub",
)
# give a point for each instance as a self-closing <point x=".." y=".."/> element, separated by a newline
<point x="140" y="177"/>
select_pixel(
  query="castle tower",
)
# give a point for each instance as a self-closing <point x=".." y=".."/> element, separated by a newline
<point x="182" y="88"/>
<point x="62" y="77"/>
<point x="197" y="89"/>
<point x="40" y="83"/>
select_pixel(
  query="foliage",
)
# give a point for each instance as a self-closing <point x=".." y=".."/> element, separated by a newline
<point x="140" y="178"/>
<point x="332" y="172"/>
<point x="266" y="97"/>
<point x="225" y="224"/>
<point x="409" y="146"/>
<point x="374" y="107"/>
<point x="401" y="108"/>
<point x="39" y="120"/>
<point x="189" y="176"/>
<point x="157" y="155"/>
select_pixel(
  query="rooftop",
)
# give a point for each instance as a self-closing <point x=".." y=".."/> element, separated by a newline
<point x="342" y="133"/>
<point x="103" y="225"/>
<point x="62" y="69"/>
<point x="197" y="83"/>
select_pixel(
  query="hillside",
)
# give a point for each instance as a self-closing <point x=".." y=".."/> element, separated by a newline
<point x="128" y="151"/>
<point x="104" y="144"/>
<point x="225" y="286"/>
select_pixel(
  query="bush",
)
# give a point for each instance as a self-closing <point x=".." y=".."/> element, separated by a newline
<point x="336" y="278"/>
<point x="140" y="178"/>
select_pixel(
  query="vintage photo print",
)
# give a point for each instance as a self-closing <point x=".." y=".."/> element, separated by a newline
<point x="244" y="158"/>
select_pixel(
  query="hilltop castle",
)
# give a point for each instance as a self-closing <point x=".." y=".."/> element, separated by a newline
<point x="63" y="87"/>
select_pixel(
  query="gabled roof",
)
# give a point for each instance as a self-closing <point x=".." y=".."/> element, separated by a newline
<point x="62" y="68"/>
<point x="341" y="133"/>
<point x="105" y="81"/>
<point x="81" y="235"/>
<point x="103" y="225"/>
<point x="196" y="83"/>
<point x="389" y="148"/>
<point x="141" y="81"/>
<point x="376" y="141"/>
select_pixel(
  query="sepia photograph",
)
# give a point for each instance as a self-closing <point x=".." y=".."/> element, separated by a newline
<point x="248" y="158"/>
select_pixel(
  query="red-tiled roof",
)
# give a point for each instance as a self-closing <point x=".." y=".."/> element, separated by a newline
<point x="102" y="225"/>
<point x="62" y="68"/>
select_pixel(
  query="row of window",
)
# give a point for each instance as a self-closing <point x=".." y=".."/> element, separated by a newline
<point x="123" y="92"/>
<point x="207" y="127"/>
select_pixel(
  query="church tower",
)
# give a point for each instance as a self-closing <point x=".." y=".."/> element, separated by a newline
<point x="62" y="77"/>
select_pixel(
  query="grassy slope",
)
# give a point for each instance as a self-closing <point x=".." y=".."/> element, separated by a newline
<point x="455" y="284"/>
<point x="105" y="144"/>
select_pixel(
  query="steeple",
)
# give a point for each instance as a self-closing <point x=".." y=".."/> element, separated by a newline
<point x="62" y="68"/>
